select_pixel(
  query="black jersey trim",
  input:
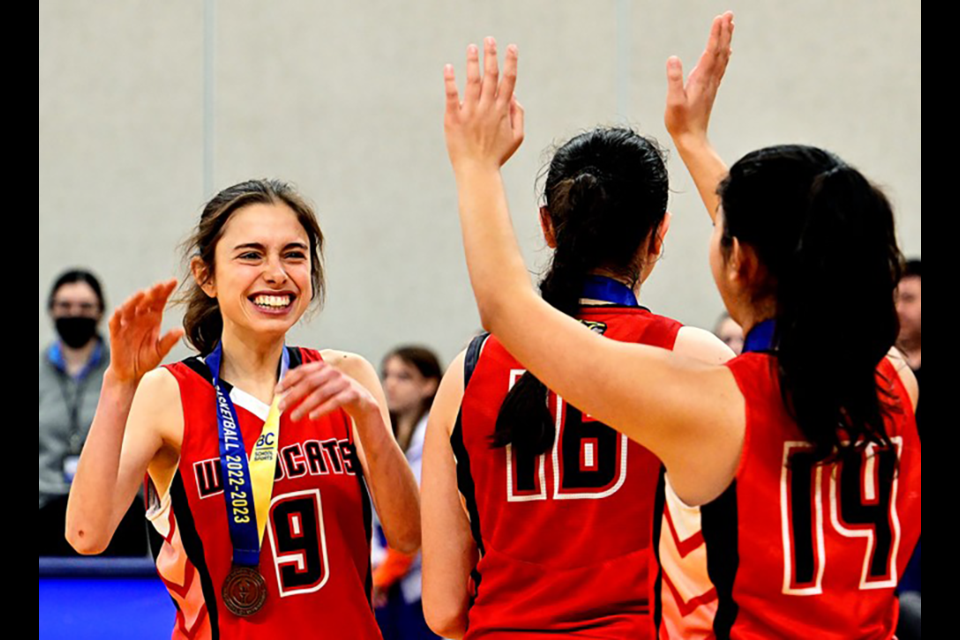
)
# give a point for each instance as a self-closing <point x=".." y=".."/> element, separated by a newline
<point x="367" y="502"/>
<point x="467" y="487"/>
<point x="721" y="521"/>
<point x="658" y="511"/>
<point x="193" y="546"/>
<point x="474" y="351"/>
<point x="368" y="530"/>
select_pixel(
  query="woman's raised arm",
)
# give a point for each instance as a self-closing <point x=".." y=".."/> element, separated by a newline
<point x="674" y="406"/>
<point x="127" y="432"/>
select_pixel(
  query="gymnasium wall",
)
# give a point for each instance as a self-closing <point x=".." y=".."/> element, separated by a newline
<point x="147" y="108"/>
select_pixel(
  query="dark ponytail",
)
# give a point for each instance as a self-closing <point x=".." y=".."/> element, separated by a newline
<point x="606" y="193"/>
<point x="826" y="237"/>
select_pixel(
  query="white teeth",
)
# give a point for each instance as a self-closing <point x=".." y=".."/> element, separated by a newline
<point x="273" y="302"/>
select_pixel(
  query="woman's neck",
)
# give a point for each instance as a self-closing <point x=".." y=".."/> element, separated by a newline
<point x="252" y="365"/>
<point x="911" y="351"/>
<point x="633" y="286"/>
<point x="76" y="360"/>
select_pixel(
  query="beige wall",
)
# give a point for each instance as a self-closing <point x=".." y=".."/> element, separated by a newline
<point x="345" y="99"/>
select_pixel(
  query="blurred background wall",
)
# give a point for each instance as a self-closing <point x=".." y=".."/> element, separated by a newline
<point x="148" y="108"/>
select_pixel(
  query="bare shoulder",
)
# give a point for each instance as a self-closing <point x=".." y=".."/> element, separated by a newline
<point x="157" y="405"/>
<point x="703" y="346"/>
<point x="349" y="363"/>
<point x="355" y="366"/>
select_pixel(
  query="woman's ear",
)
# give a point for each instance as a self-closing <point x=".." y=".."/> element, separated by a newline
<point x="660" y="237"/>
<point x="744" y="267"/>
<point x="203" y="277"/>
<point x="546" y="224"/>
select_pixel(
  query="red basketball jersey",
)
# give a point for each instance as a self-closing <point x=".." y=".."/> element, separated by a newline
<point x="316" y="550"/>
<point x="565" y="538"/>
<point x="795" y="550"/>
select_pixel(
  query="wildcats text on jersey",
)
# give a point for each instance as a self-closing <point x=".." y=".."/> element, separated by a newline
<point x="310" y="458"/>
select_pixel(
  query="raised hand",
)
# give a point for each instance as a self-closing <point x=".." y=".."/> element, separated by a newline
<point x="136" y="344"/>
<point x="690" y="105"/>
<point x="485" y="129"/>
<point x="317" y="389"/>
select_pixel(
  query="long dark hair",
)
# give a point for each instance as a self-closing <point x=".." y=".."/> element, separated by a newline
<point x="606" y="193"/>
<point x="202" y="320"/>
<point x="426" y="362"/>
<point x="826" y="238"/>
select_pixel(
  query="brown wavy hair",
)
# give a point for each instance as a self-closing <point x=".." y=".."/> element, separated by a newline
<point x="202" y="320"/>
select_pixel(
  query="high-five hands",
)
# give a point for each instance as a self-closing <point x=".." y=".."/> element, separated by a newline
<point x="690" y="105"/>
<point x="136" y="344"/>
<point x="485" y="129"/>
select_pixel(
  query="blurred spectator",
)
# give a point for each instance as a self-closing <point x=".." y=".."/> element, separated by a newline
<point x="908" y="306"/>
<point x="730" y="333"/>
<point x="411" y="377"/>
<point x="71" y="375"/>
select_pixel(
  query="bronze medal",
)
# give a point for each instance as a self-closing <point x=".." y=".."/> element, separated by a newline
<point x="244" y="592"/>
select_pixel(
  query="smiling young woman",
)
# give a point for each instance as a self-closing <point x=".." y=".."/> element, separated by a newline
<point x="258" y="455"/>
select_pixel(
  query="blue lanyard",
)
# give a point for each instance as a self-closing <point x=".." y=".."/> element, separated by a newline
<point x="235" y="469"/>
<point x="762" y="338"/>
<point x="609" y="290"/>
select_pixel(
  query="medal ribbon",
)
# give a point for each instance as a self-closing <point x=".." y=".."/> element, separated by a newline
<point x="609" y="290"/>
<point x="248" y="484"/>
<point x="762" y="338"/>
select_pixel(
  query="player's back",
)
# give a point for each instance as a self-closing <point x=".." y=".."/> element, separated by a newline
<point x="795" y="550"/>
<point x="565" y="538"/>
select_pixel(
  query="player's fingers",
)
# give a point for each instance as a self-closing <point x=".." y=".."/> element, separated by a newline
<point x="453" y="94"/>
<point x="295" y="376"/>
<point x="116" y="322"/>
<point x="318" y="398"/>
<point x="295" y="394"/>
<point x="169" y="341"/>
<point x="474" y="79"/>
<point x="676" y="93"/>
<point x="510" y="71"/>
<point x="518" y="116"/>
<point x="165" y="290"/>
<point x="491" y="66"/>
<point x="128" y="311"/>
<point x="337" y="402"/>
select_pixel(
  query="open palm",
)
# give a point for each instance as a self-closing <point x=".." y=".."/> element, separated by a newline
<point x="137" y="346"/>
<point x="690" y="105"/>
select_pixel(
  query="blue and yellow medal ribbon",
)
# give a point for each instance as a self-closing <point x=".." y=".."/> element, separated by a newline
<point x="248" y="484"/>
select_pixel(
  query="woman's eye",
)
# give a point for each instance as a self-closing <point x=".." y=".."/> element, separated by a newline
<point x="296" y="256"/>
<point x="250" y="256"/>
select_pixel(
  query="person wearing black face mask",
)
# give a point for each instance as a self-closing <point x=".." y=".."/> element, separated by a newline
<point x="71" y="374"/>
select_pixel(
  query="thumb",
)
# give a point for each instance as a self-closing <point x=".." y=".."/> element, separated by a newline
<point x="676" y="93"/>
<point x="518" y="116"/>
<point x="169" y="341"/>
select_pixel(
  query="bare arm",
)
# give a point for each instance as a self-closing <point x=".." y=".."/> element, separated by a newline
<point x="348" y="381"/>
<point x="690" y="106"/>
<point x="449" y="551"/>
<point x="127" y="431"/>
<point x="690" y="415"/>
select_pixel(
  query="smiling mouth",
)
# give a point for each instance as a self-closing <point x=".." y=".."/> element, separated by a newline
<point x="273" y="302"/>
